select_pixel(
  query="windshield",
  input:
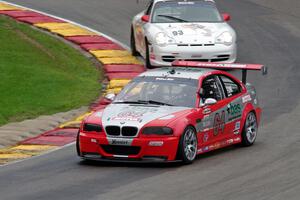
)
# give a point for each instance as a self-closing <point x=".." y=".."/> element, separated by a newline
<point x="160" y="91"/>
<point x="190" y="11"/>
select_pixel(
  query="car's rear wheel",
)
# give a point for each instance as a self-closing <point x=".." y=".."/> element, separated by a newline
<point x="77" y="145"/>
<point x="187" y="149"/>
<point x="249" y="133"/>
<point x="147" y="59"/>
<point x="134" y="52"/>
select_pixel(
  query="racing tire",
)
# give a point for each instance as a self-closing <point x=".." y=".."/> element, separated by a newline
<point x="77" y="145"/>
<point x="134" y="52"/>
<point x="249" y="132"/>
<point x="147" y="59"/>
<point x="187" y="148"/>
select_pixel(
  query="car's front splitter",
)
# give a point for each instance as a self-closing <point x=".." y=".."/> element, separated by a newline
<point x="98" y="157"/>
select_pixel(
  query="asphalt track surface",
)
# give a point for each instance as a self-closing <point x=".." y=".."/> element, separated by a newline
<point x="268" y="170"/>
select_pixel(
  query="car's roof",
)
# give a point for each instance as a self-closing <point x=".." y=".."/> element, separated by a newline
<point x="177" y="72"/>
<point x="212" y="1"/>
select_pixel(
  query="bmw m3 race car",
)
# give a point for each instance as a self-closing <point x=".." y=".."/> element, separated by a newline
<point x="173" y="114"/>
<point x="191" y="30"/>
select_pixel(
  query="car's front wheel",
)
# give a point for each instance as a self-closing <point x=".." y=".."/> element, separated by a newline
<point x="249" y="133"/>
<point x="134" y="52"/>
<point x="147" y="58"/>
<point x="187" y="149"/>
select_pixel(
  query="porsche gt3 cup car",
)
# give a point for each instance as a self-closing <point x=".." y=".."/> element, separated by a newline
<point x="173" y="113"/>
<point x="171" y="30"/>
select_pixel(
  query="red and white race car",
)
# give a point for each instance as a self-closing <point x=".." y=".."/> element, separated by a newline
<point x="172" y="114"/>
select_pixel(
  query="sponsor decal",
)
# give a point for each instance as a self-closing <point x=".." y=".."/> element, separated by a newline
<point x="186" y="3"/>
<point x="246" y="98"/>
<point x="205" y="137"/>
<point x="230" y="141"/>
<point x="120" y="141"/>
<point x="205" y="148"/>
<point x="129" y="116"/>
<point x="219" y="123"/>
<point x="221" y="65"/>
<point x="234" y="111"/>
<point x="237" y="127"/>
<point x="203" y="125"/>
<point x="206" y="111"/>
<point x="237" y="139"/>
<point x="198" y="29"/>
<point x="94" y="140"/>
<point x="198" y="126"/>
<point x="164" y="79"/>
<point x="255" y="101"/>
<point x="206" y="123"/>
<point x="218" y="145"/>
<point x="200" y="150"/>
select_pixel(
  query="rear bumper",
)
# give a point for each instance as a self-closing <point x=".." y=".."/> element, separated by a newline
<point x="99" y="147"/>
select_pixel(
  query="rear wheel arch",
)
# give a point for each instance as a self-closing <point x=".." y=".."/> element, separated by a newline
<point x="248" y="108"/>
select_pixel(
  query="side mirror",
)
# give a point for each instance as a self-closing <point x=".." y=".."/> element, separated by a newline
<point x="110" y="96"/>
<point x="145" y="18"/>
<point x="226" y="17"/>
<point x="210" y="101"/>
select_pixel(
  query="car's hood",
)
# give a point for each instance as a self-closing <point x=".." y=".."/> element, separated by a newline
<point x="137" y="115"/>
<point x="190" y="33"/>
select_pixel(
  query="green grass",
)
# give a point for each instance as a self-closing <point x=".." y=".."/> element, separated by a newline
<point x="40" y="74"/>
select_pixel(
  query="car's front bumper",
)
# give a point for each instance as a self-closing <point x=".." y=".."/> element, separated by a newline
<point x="145" y="149"/>
<point x="163" y="56"/>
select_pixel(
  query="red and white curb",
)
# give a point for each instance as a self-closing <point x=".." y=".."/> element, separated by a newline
<point x="118" y="64"/>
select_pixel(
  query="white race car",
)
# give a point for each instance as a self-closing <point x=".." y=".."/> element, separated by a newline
<point x="191" y="30"/>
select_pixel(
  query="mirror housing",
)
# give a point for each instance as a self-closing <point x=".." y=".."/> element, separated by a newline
<point x="110" y="96"/>
<point x="145" y="18"/>
<point x="210" y="101"/>
<point x="226" y="17"/>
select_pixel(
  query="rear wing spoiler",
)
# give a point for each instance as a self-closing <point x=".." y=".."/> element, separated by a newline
<point x="222" y="66"/>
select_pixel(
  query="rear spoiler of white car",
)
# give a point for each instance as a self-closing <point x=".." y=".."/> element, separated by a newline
<point x="208" y="65"/>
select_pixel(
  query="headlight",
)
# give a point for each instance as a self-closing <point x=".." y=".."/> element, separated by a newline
<point x="157" y="130"/>
<point x="92" y="128"/>
<point x="163" y="39"/>
<point x="225" y="38"/>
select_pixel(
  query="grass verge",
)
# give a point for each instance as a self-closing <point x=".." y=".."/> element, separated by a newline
<point x="41" y="75"/>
